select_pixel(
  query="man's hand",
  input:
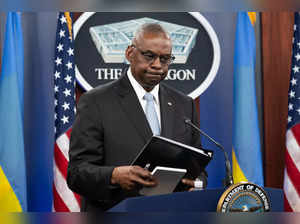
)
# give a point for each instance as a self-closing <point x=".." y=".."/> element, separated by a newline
<point x="190" y="183"/>
<point x="129" y="177"/>
<point x="199" y="183"/>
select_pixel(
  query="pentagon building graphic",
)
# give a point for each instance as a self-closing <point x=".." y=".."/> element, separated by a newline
<point x="112" y="39"/>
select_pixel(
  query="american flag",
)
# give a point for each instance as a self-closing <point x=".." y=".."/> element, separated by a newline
<point x="64" y="200"/>
<point x="292" y="158"/>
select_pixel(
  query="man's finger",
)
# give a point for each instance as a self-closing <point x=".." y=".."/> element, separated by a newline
<point x="144" y="182"/>
<point x="188" y="182"/>
<point x="145" y="174"/>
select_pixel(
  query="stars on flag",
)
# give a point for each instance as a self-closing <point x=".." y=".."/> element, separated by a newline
<point x="297" y="56"/>
<point x="67" y="92"/>
<point x="294" y="91"/>
<point x="64" y="78"/>
<point x="63" y="20"/>
<point x="57" y="75"/>
<point x="295" y="69"/>
<point x="292" y="94"/>
<point x="65" y="119"/>
<point x="68" y="79"/>
<point x="66" y="106"/>
<point x="69" y="65"/>
<point x="58" y="61"/>
<point x="293" y="81"/>
<point x="60" y="47"/>
<point x="62" y="33"/>
<point x="70" y="51"/>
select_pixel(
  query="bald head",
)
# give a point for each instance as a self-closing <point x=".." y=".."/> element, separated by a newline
<point x="150" y="29"/>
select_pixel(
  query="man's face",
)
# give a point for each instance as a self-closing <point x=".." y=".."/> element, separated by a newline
<point x="147" y="59"/>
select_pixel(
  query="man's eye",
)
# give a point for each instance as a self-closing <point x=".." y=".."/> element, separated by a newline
<point x="164" y="59"/>
<point x="149" y="56"/>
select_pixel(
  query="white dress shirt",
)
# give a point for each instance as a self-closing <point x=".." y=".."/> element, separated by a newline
<point x="140" y="92"/>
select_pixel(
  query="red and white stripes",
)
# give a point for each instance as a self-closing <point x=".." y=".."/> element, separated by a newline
<point x="292" y="171"/>
<point x="64" y="200"/>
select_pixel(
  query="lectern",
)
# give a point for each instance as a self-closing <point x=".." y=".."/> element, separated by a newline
<point x="195" y="201"/>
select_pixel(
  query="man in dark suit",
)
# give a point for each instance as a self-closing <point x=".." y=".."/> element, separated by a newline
<point x="112" y="124"/>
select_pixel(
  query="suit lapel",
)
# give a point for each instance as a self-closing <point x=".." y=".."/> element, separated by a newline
<point x="167" y="108"/>
<point x="131" y="106"/>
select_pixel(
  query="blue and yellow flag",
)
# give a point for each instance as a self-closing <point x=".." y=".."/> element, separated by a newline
<point x="246" y="153"/>
<point x="12" y="161"/>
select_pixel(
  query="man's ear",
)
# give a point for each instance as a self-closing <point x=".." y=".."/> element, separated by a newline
<point x="129" y="53"/>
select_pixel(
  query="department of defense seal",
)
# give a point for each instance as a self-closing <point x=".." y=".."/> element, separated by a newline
<point x="244" y="197"/>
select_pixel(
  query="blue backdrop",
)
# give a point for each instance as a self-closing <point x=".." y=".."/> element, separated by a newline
<point x="216" y="101"/>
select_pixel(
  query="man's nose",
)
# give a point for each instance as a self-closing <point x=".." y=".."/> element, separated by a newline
<point x="156" y="63"/>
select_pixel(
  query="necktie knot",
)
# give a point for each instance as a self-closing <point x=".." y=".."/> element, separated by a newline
<point x="148" y="97"/>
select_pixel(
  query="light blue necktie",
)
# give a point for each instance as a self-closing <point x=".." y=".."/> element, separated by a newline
<point x="151" y="114"/>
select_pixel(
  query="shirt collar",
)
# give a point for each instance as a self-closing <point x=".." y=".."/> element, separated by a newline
<point x="140" y="91"/>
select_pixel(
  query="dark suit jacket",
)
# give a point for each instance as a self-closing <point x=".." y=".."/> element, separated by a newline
<point x="110" y="130"/>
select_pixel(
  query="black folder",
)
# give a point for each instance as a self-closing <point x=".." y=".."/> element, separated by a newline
<point x="160" y="151"/>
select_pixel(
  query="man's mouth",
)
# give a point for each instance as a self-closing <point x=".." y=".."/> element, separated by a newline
<point x="154" y="74"/>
